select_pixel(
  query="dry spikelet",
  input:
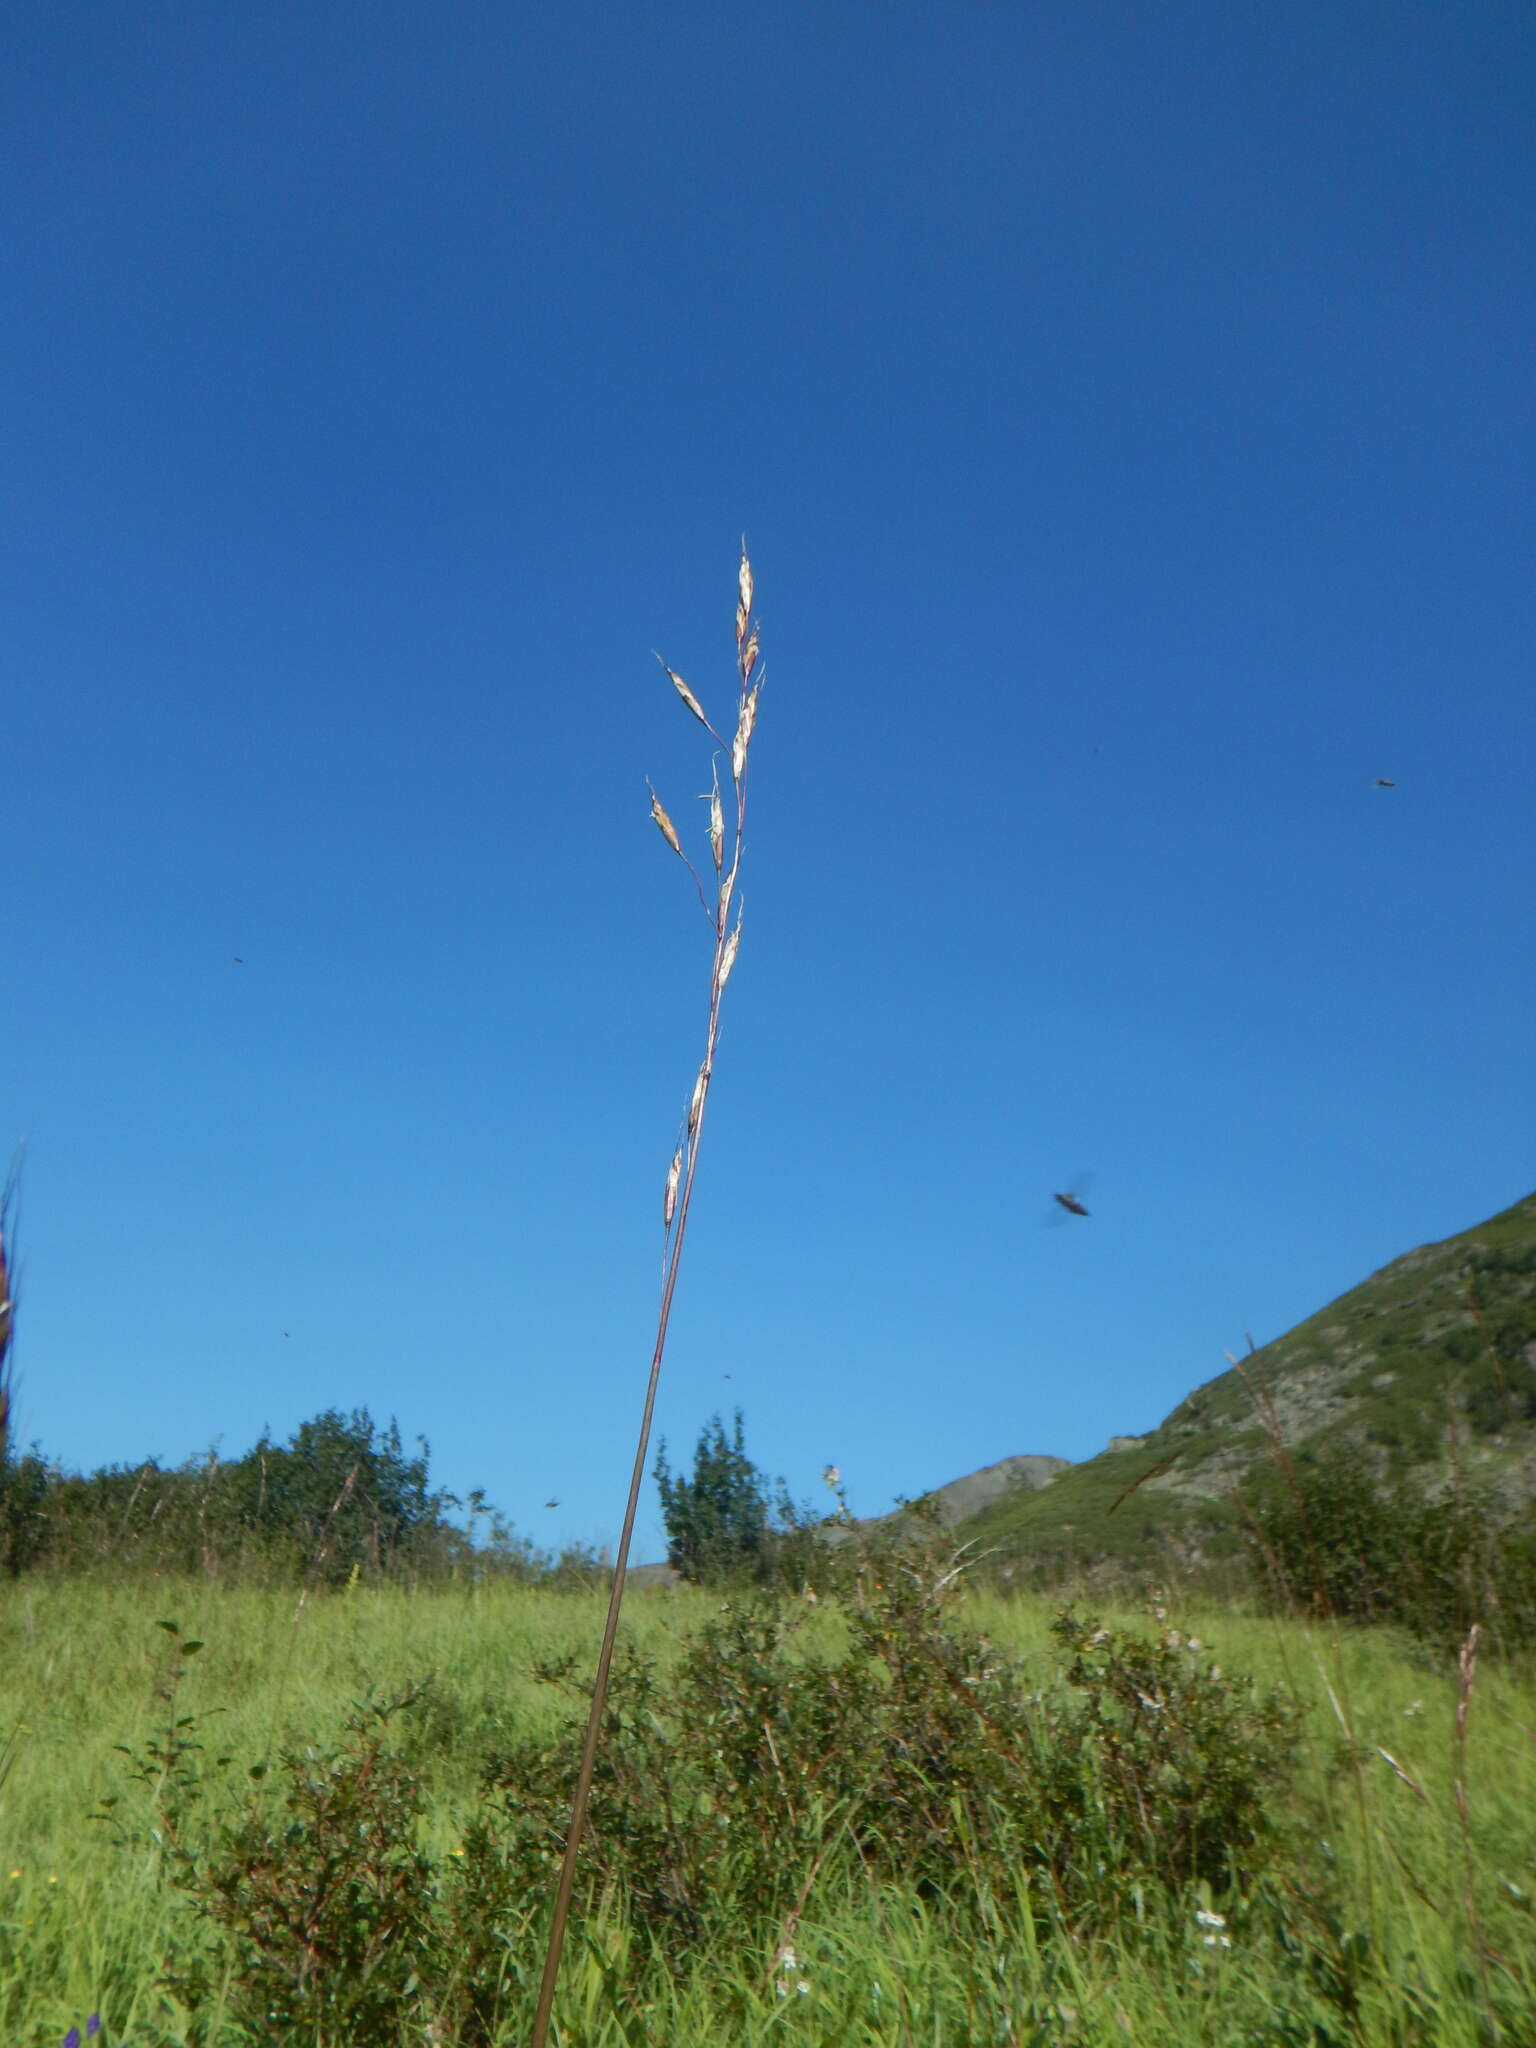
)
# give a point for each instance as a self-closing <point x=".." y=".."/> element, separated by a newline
<point x="696" y="1106"/>
<point x="744" y="585"/>
<point x="684" y="692"/>
<point x="744" y="724"/>
<point x="664" y="824"/>
<point x="749" y="657"/>
<point x="716" y="824"/>
<point x="728" y="957"/>
<point x="726" y="886"/>
<point x="1416" y="1789"/>
<point x="669" y="1200"/>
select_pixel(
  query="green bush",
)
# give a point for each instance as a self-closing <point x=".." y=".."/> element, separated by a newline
<point x="726" y="1784"/>
<point x="1324" y="1535"/>
<point x="731" y="1783"/>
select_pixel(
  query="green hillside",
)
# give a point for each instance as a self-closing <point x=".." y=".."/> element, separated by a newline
<point x="1432" y="1359"/>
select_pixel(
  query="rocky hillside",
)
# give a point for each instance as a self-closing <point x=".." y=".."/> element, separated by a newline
<point x="1431" y="1360"/>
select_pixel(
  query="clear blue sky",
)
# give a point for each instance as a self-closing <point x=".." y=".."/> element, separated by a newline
<point x="1131" y="414"/>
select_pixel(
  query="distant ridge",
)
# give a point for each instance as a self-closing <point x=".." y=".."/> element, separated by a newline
<point x="1434" y="1353"/>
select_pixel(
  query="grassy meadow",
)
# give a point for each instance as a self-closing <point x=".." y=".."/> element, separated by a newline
<point x="1392" y="1910"/>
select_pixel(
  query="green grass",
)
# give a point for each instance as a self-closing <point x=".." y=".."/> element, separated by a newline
<point x="84" y="1924"/>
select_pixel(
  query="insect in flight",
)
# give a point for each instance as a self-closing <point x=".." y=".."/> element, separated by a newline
<point x="551" y="1503"/>
<point x="1070" y="1203"/>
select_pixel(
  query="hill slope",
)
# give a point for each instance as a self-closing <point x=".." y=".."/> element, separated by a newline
<point x="1433" y="1356"/>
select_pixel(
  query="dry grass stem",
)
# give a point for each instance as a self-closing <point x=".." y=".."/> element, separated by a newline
<point x="676" y="1201"/>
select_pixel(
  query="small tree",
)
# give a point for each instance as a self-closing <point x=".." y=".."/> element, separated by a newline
<point x="719" y="1522"/>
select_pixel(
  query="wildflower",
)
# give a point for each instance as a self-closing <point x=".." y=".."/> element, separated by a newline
<point x="832" y="1477"/>
<point x="790" y="1972"/>
<point x="1218" y="1921"/>
<point x="1416" y="1708"/>
<point x="53" y="1877"/>
<point x="15" y="1873"/>
<point x="1194" y="1645"/>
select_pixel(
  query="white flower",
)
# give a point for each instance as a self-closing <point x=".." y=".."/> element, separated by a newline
<point x="832" y="1477"/>
<point x="1218" y="1921"/>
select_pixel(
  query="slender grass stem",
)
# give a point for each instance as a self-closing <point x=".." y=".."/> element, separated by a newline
<point x="680" y="1184"/>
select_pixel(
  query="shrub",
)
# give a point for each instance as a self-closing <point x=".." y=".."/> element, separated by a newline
<point x="1323" y="1534"/>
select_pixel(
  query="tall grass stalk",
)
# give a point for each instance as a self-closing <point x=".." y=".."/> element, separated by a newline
<point x="716" y="899"/>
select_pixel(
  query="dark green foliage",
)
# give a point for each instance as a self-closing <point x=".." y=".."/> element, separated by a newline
<point x="1325" y="1534"/>
<point x="325" y="1902"/>
<point x="23" y="1519"/>
<point x="342" y="1499"/>
<point x="917" y="1757"/>
<point x="719" y="1522"/>
<point x="915" y="1761"/>
<point x="342" y="1491"/>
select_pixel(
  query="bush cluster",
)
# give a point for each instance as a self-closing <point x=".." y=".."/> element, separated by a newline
<point x="342" y="1499"/>
<point x="730" y="1785"/>
<point x="1322" y="1533"/>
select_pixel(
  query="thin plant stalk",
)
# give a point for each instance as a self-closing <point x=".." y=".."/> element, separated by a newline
<point x="676" y="1204"/>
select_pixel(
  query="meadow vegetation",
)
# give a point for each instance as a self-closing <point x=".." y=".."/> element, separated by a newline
<point x="951" y="1816"/>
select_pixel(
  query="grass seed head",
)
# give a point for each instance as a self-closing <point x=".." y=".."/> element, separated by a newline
<point x="685" y="693"/>
<point x="746" y="720"/>
<point x="728" y="957"/>
<point x="716" y="825"/>
<point x="664" y="824"/>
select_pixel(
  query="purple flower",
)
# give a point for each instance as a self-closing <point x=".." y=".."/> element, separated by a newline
<point x="93" y="2025"/>
<point x="72" y="2038"/>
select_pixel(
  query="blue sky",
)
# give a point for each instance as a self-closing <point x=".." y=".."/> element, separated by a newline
<point x="1130" y="413"/>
